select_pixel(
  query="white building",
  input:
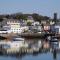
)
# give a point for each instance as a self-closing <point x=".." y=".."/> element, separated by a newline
<point x="14" y="26"/>
<point x="43" y="21"/>
<point x="57" y="28"/>
<point x="51" y="21"/>
<point x="36" y="23"/>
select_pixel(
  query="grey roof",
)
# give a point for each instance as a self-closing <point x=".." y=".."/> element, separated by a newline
<point x="16" y="20"/>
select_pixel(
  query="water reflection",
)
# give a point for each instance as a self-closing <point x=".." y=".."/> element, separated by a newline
<point x="54" y="54"/>
<point x="48" y="47"/>
<point x="43" y="49"/>
<point x="36" y="56"/>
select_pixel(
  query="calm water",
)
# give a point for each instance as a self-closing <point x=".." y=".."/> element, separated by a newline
<point x="43" y="56"/>
<point x="40" y="56"/>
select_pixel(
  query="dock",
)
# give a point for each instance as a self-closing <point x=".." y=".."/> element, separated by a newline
<point x="36" y="35"/>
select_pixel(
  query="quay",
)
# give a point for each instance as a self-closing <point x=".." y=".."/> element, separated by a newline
<point x="36" y="35"/>
<point x="28" y="35"/>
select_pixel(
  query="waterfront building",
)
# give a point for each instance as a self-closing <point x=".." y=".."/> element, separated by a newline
<point x="14" y="25"/>
<point x="35" y="28"/>
<point x="57" y="28"/>
<point x="46" y="27"/>
<point x="52" y="22"/>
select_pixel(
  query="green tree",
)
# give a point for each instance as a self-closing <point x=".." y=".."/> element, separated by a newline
<point x="29" y="23"/>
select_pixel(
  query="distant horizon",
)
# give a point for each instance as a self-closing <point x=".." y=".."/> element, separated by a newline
<point x="41" y="7"/>
<point x="30" y="13"/>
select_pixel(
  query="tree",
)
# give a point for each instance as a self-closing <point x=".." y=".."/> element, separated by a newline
<point x="35" y="16"/>
<point x="38" y="17"/>
<point x="7" y="16"/>
<point x="1" y="19"/>
<point x="21" y="16"/>
<point x="29" y="23"/>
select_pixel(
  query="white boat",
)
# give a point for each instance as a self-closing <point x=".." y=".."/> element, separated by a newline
<point x="17" y="38"/>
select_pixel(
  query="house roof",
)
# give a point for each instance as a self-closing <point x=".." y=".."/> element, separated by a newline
<point x="5" y="19"/>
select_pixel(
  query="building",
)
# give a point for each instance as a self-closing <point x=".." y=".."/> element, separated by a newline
<point x="30" y="19"/>
<point x="35" y="29"/>
<point x="52" y="22"/>
<point x="46" y="27"/>
<point x="36" y="23"/>
<point x="14" y="25"/>
<point x="45" y="21"/>
<point x="55" y="17"/>
<point x="57" y="28"/>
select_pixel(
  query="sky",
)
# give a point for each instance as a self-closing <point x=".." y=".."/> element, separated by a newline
<point x="42" y="7"/>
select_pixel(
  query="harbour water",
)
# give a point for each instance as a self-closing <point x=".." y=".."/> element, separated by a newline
<point x="42" y="55"/>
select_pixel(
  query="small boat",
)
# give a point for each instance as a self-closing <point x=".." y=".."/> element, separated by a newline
<point x="54" y="39"/>
<point x="17" y="38"/>
<point x="21" y="39"/>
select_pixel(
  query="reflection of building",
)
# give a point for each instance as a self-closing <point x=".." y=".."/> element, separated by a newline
<point x="13" y="46"/>
<point x="59" y="44"/>
<point x="55" y="54"/>
<point x="46" y="45"/>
